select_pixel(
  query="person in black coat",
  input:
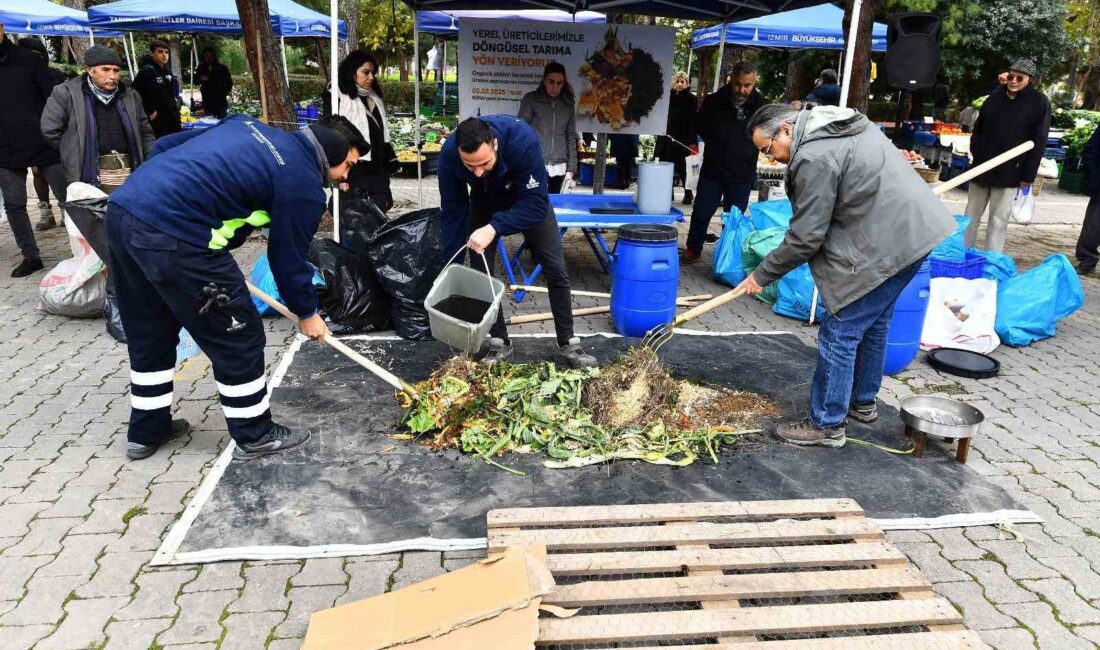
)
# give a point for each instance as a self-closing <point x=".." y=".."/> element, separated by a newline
<point x="1088" y="243"/>
<point x="215" y="82"/>
<point x="41" y="185"/>
<point x="729" y="155"/>
<point x="624" y="149"/>
<point x="25" y="85"/>
<point x="157" y="87"/>
<point x="680" y="132"/>
<point x="1009" y="117"/>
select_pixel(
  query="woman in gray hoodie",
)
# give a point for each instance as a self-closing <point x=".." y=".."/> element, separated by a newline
<point x="550" y="112"/>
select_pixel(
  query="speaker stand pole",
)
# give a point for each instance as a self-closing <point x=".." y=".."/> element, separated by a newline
<point x="898" y="117"/>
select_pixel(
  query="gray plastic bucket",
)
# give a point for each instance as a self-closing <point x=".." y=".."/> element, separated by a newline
<point x="458" y="280"/>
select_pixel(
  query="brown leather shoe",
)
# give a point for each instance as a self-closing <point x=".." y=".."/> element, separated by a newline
<point x="804" y="434"/>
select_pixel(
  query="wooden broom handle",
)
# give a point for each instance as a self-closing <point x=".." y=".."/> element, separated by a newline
<point x="984" y="167"/>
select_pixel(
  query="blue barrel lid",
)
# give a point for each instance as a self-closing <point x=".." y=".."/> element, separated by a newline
<point x="651" y="232"/>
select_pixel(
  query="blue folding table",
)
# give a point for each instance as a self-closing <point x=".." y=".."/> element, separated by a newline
<point x="575" y="211"/>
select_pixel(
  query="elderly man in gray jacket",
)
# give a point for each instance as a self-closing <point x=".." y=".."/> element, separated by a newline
<point x="98" y="123"/>
<point x="865" y="222"/>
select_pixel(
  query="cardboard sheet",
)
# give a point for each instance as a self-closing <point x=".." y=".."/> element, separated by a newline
<point x="497" y="598"/>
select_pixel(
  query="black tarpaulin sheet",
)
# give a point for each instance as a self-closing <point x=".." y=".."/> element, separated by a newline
<point x="354" y="490"/>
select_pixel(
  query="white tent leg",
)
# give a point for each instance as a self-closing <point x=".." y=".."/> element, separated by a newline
<point x="444" y="70"/>
<point x="416" y="114"/>
<point x="91" y="39"/>
<point x="850" y="51"/>
<point x="688" y="69"/>
<point x="282" y="49"/>
<point x="126" y="51"/>
<point x="721" y="53"/>
<point x="333" y="56"/>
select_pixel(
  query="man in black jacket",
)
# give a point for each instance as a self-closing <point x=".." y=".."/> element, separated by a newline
<point x="1088" y="244"/>
<point x="729" y="156"/>
<point x="1010" y="116"/>
<point x="25" y="84"/>
<point x="157" y="87"/>
<point x="215" y="82"/>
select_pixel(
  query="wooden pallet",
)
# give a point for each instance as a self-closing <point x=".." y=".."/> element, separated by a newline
<point x="737" y="575"/>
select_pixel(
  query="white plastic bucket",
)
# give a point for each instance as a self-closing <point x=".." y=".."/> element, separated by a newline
<point x="460" y="280"/>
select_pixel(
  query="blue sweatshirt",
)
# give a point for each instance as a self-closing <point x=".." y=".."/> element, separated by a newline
<point x="213" y="191"/>
<point x="514" y="192"/>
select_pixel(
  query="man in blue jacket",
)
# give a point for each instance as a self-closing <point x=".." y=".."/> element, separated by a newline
<point x="171" y="227"/>
<point x="492" y="183"/>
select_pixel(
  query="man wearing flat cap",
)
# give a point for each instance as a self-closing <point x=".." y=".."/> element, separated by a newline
<point x="1012" y="115"/>
<point x="98" y="123"/>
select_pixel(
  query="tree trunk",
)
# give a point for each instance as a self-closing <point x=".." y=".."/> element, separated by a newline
<point x="1090" y="89"/>
<point x="350" y="14"/>
<point x="321" y="49"/>
<point x="78" y="45"/>
<point x="174" y="63"/>
<point x="800" y="81"/>
<point x="706" y="73"/>
<point x="256" y="25"/>
<point x="403" y="67"/>
<point x="861" y="63"/>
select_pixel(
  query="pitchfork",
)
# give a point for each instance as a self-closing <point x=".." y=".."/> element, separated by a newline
<point x="660" y="335"/>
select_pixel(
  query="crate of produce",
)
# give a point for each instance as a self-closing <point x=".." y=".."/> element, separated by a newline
<point x="970" y="269"/>
<point x="1057" y="153"/>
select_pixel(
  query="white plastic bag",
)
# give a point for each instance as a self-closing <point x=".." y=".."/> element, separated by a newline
<point x="961" y="314"/>
<point x="77" y="286"/>
<point x="692" y="165"/>
<point x="1048" y="168"/>
<point x="1023" y="206"/>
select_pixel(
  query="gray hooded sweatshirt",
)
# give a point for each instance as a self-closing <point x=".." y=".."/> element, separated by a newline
<point x="861" y="214"/>
<point x="554" y="119"/>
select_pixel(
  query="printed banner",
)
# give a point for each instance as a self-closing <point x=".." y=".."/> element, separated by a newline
<point x="620" y="74"/>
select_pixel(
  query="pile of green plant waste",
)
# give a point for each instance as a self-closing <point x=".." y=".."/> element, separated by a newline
<point x="630" y="409"/>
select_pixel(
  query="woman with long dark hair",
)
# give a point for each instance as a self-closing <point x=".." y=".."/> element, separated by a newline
<point x="550" y="111"/>
<point x="360" y="100"/>
<point x="680" y="132"/>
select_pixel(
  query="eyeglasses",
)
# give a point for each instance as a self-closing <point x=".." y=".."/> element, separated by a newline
<point x="1017" y="77"/>
<point x="767" y="151"/>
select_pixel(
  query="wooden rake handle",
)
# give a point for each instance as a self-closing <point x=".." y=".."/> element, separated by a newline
<point x="984" y="167"/>
<point x="379" y="371"/>
<point x="713" y="303"/>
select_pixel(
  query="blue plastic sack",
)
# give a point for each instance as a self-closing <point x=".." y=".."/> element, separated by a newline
<point x="736" y="227"/>
<point x="953" y="249"/>
<point x="263" y="280"/>
<point x="795" y="295"/>
<point x="1030" y="305"/>
<point x="998" y="266"/>
<point x="772" y="214"/>
<point x="186" y="348"/>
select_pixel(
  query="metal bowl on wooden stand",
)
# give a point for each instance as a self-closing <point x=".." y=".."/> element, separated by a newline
<point x="925" y="415"/>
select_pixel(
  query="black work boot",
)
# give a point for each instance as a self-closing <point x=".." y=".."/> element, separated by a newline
<point x="26" y="267"/>
<point x="137" y="451"/>
<point x="276" y="441"/>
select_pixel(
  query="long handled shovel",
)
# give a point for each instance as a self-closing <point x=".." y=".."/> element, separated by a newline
<point x="382" y="373"/>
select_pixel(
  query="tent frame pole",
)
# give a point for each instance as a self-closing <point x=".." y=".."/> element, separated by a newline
<point x="443" y="70"/>
<point x="850" y="52"/>
<point x="721" y="53"/>
<point x="282" y="49"/>
<point x="334" y="90"/>
<point x="416" y="113"/>
<point x="126" y="51"/>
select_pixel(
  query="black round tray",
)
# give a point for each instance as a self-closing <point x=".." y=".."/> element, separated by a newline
<point x="964" y="363"/>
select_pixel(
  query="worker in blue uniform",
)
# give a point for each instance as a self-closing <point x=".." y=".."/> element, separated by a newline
<point x="171" y="227"/>
<point x="492" y="183"/>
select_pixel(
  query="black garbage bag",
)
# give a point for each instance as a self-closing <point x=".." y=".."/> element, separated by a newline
<point x="360" y="218"/>
<point x="88" y="216"/>
<point x="407" y="254"/>
<point x="111" y="314"/>
<point x="351" y="298"/>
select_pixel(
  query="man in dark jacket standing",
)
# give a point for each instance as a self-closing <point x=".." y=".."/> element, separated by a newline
<point x="729" y="156"/>
<point x="492" y="183"/>
<point x="215" y="82"/>
<point x="41" y="185"/>
<point x="1011" y="115"/>
<point x="25" y="84"/>
<point x="157" y="87"/>
<point x="1088" y="244"/>
<point x="98" y="123"/>
<point x="826" y="92"/>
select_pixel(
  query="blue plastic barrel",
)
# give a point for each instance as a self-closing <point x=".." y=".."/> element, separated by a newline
<point x="903" y="341"/>
<point x="644" y="278"/>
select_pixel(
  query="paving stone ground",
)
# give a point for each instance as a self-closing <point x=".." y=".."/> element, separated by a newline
<point x="79" y="524"/>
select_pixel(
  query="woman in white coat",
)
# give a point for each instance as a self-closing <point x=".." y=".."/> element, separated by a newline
<point x="360" y="100"/>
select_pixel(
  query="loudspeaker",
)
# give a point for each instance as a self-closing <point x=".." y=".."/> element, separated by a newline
<point x="913" y="51"/>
